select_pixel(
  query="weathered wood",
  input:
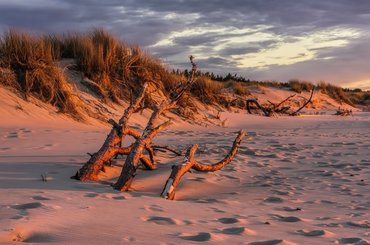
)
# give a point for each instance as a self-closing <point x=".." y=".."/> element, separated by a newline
<point x="304" y="104"/>
<point x="282" y="102"/>
<point x="131" y="164"/>
<point x="91" y="169"/>
<point x="343" y="112"/>
<point x="274" y="109"/>
<point x="100" y="162"/>
<point x="189" y="162"/>
<point x="266" y="111"/>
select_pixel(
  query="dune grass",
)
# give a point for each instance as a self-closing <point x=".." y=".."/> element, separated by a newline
<point x="28" y="65"/>
<point x="111" y="69"/>
<point x="335" y="92"/>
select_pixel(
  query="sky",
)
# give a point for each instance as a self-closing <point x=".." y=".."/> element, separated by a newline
<point x="312" y="40"/>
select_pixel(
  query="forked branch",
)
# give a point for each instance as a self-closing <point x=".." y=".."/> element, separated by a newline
<point x="91" y="169"/>
<point x="152" y="129"/>
<point x="190" y="163"/>
<point x="274" y="109"/>
<point x="304" y="104"/>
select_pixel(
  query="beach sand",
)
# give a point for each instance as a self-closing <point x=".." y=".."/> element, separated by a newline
<point x="295" y="180"/>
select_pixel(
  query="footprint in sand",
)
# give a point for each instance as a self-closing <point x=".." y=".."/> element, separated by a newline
<point x="233" y="231"/>
<point x="332" y="225"/>
<point x="199" y="237"/>
<point x="290" y="209"/>
<point x="282" y="193"/>
<point x="228" y="220"/>
<point x="129" y="239"/>
<point x="25" y="130"/>
<point x="360" y="224"/>
<point x="217" y="210"/>
<point x="154" y="208"/>
<point x="119" y="198"/>
<point x="92" y="195"/>
<point x="40" y="198"/>
<point x="291" y="219"/>
<point x="313" y="233"/>
<point x="40" y="238"/>
<point x="273" y="199"/>
<point x="4" y="149"/>
<point x="198" y="179"/>
<point x="353" y="240"/>
<point x="12" y="135"/>
<point x="26" y="206"/>
<point x="268" y="242"/>
<point x="162" y="220"/>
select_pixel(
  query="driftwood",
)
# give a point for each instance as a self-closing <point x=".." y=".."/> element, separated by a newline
<point x="132" y="161"/>
<point x="343" y="112"/>
<point x="112" y="145"/>
<point x="304" y="105"/>
<point x="190" y="163"/>
<point x="267" y="111"/>
<point x="275" y="109"/>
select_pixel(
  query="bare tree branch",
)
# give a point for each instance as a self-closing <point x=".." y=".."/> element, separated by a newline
<point x="131" y="164"/>
<point x="190" y="163"/>
<point x="91" y="169"/>
<point x="304" y="104"/>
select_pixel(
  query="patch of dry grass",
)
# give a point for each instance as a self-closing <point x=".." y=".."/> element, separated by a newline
<point x="28" y="65"/>
<point x="239" y="88"/>
<point x="207" y="90"/>
<point x="334" y="92"/>
<point x="114" y="71"/>
<point x="300" y="86"/>
<point x="8" y="79"/>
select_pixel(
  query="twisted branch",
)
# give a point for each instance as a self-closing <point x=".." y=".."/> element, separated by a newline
<point x="131" y="164"/>
<point x="190" y="163"/>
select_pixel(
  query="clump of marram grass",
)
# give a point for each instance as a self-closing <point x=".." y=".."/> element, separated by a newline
<point x="115" y="67"/>
<point x="8" y="79"/>
<point x="300" y="86"/>
<point x="114" y="70"/>
<point x="28" y="65"/>
<point x="239" y="88"/>
<point x="334" y="92"/>
<point x="206" y="90"/>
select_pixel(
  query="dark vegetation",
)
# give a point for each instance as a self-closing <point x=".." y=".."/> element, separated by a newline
<point x="114" y="71"/>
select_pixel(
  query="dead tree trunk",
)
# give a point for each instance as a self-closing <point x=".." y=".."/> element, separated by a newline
<point x="190" y="163"/>
<point x="131" y="164"/>
<point x="110" y="148"/>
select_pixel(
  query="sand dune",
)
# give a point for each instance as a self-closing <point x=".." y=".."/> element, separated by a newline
<point x="301" y="180"/>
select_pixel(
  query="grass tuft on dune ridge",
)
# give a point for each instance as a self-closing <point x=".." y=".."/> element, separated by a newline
<point x="113" y="70"/>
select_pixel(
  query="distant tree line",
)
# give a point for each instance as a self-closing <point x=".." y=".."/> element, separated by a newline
<point x="212" y="76"/>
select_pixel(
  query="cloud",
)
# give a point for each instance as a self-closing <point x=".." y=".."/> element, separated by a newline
<point x="308" y="39"/>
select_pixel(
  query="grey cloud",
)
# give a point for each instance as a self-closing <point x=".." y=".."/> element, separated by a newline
<point x="169" y="51"/>
<point x="142" y="22"/>
<point x="239" y="50"/>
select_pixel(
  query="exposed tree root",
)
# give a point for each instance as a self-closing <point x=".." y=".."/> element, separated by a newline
<point x="190" y="163"/>
<point x="343" y="112"/>
<point x="277" y="109"/>
<point x="91" y="169"/>
<point x="132" y="161"/>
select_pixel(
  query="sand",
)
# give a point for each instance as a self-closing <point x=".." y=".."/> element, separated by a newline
<point x="295" y="180"/>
